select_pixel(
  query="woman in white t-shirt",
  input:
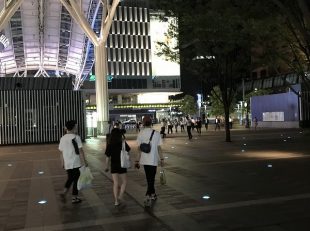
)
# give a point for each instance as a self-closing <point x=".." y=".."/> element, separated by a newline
<point x="71" y="160"/>
<point x="150" y="160"/>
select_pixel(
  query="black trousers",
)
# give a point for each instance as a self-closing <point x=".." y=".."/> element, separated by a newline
<point x="189" y="132"/>
<point x="170" y="129"/>
<point x="73" y="177"/>
<point x="182" y="127"/>
<point x="150" y="172"/>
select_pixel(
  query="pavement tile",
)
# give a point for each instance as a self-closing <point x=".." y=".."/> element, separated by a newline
<point x="206" y="165"/>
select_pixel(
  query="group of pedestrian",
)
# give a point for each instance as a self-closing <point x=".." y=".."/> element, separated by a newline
<point x="188" y="122"/>
<point x="72" y="162"/>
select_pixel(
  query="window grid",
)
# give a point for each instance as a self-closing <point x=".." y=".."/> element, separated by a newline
<point x="129" y="43"/>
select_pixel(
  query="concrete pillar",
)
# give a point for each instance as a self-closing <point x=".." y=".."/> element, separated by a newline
<point x="119" y="99"/>
<point x="102" y="96"/>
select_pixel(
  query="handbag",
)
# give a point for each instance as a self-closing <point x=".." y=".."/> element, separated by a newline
<point x="125" y="160"/>
<point x="146" y="147"/>
<point x="162" y="177"/>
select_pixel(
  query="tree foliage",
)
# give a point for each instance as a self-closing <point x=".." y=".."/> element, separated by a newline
<point x="169" y="49"/>
<point x="215" y="43"/>
<point x="188" y="105"/>
<point x="284" y="41"/>
<point x="222" y="41"/>
<point x="217" y="108"/>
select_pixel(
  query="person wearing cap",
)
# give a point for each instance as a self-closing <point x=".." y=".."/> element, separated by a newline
<point x="71" y="161"/>
<point x="150" y="160"/>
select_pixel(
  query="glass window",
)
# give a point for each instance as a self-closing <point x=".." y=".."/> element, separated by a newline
<point x="278" y="81"/>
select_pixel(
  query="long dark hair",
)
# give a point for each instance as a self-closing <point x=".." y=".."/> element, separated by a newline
<point x="116" y="136"/>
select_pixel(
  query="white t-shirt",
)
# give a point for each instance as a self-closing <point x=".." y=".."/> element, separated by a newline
<point x="71" y="160"/>
<point x="151" y="158"/>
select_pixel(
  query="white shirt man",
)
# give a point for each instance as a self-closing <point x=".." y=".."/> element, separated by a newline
<point x="71" y="161"/>
<point x="150" y="160"/>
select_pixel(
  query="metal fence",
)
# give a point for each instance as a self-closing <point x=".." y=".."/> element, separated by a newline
<point x="39" y="116"/>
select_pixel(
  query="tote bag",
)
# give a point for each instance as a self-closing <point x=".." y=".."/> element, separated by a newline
<point x="125" y="160"/>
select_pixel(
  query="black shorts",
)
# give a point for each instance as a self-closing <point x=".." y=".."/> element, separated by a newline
<point x="118" y="169"/>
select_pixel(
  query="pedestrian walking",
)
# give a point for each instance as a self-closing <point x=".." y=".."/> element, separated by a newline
<point x="176" y="124"/>
<point x="255" y="121"/>
<point x="170" y="126"/>
<point x="163" y="128"/>
<point x="206" y="124"/>
<point x="72" y="158"/>
<point x="183" y="123"/>
<point x="113" y="156"/>
<point x="230" y="122"/>
<point x="150" y="160"/>
<point x="217" y="124"/>
<point x="189" y="127"/>
<point x="198" y="126"/>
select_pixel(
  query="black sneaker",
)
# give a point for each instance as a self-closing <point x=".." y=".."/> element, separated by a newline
<point x="76" y="200"/>
<point x="154" y="197"/>
<point x="147" y="202"/>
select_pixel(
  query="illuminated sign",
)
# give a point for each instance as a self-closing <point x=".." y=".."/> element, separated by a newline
<point x="137" y="106"/>
<point x="93" y="77"/>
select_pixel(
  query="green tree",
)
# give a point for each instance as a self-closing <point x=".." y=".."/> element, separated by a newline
<point x="215" y="40"/>
<point x="217" y="108"/>
<point x="188" y="105"/>
<point x="296" y="39"/>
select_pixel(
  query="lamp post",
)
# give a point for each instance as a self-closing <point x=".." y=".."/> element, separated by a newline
<point x="247" y="122"/>
<point x="199" y="100"/>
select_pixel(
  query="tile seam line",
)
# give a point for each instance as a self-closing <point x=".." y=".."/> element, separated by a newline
<point x="239" y="204"/>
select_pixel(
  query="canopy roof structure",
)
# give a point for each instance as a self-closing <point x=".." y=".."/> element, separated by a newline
<point x="42" y="39"/>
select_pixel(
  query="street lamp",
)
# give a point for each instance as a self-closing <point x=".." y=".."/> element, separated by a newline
<point x="199" y="100"/>
<point x="247" y="122"/>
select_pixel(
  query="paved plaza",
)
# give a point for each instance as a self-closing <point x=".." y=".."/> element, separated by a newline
<point x="258" y="182"/>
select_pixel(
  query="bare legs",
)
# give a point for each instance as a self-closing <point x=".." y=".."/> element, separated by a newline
<point x="119" y="194"/>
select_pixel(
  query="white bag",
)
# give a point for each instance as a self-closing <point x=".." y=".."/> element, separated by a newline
<point x="125" y="160"/>
<point x="85" y="179"/>
<point x="162" y="177"/>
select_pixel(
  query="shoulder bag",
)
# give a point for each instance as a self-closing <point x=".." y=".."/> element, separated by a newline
<point x="125" y="160"/>
<point x="146" y="147"/>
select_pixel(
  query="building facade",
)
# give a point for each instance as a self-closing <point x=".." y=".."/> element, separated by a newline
<point x="139" y="81"/>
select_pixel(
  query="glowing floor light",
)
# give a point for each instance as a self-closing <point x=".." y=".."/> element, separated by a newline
<point x="10" y="165"/>
<point x="42" y="202"/>
<point x="242" y="150"/>
<point x="206" y="197"/>
<point x="40" y="172"/>
<point x="269" y="165"/>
